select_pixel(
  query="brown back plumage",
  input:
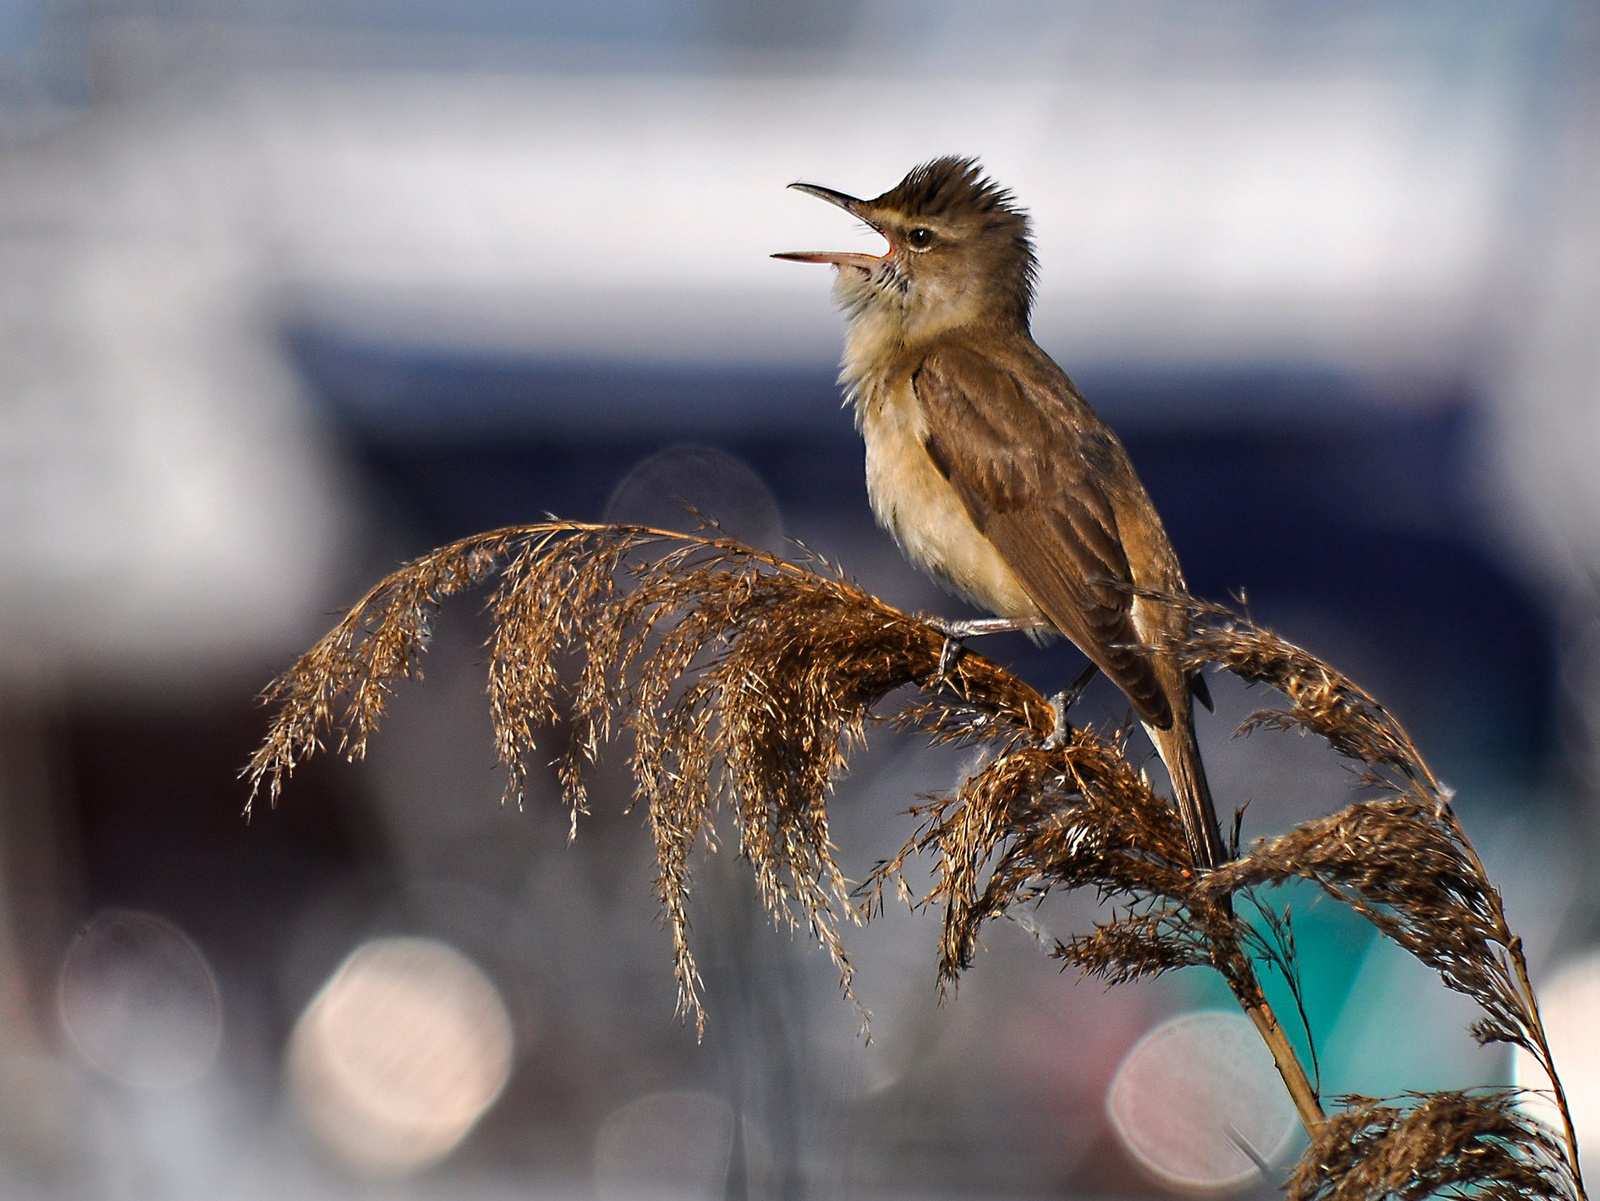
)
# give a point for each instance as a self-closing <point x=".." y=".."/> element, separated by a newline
<point x="1039" y="483"/>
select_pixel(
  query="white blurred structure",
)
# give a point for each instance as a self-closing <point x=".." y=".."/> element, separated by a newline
<point x="1337" y="218"/>
<point x="168" y="508"/>
<point x="139" y="1002"/>
<point x="399" y="1055"/>
<point x="1568" y="1000"/>
<point x="157" y="456"/>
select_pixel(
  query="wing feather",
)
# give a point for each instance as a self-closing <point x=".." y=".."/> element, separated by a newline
<point x="1007" y="444"/>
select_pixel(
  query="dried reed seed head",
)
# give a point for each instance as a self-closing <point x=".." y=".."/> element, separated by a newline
<point x="742" y="678"/>
<point x="1321" y="699"/>
<point x="1137" y="945"/>
<point x="748" y="680"/>
<point x="1452" y="1143"/>
<point x="1075" y="816"/>
<point x="1404" y="865"/>
<point x="340" y="686"/>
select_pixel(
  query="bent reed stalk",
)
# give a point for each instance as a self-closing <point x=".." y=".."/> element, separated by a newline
<point x="746" y="681"/>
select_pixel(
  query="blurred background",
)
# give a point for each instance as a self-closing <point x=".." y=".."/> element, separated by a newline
<point x="294" y="290"/>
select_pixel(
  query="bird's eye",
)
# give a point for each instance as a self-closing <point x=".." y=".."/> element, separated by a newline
<point x="919" y="238"/>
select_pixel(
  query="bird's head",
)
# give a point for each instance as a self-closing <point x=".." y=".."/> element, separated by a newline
<point x="959" y="251"/>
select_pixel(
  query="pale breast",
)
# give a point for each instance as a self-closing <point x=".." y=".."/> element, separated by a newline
<point x="917" y="505"/>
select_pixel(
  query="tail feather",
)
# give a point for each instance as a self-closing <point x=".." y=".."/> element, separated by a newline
<point x="1180" y="751"/>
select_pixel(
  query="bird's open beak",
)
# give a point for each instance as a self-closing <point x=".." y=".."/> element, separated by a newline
<point x="838" y="258"/>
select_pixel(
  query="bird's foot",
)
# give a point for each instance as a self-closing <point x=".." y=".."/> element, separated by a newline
<point x="949" y="653"/>
<point x="956" y="634"/>
<point x="976" y="627"/>
<point x="1063" y="701"/>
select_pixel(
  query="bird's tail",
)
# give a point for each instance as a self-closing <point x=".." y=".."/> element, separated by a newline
<point x="1180" y="751"/>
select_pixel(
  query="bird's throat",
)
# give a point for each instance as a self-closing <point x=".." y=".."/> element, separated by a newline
<point x="873" y="342"/>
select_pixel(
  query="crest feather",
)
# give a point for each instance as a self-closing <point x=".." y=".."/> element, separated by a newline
<point x="954" y="189"/>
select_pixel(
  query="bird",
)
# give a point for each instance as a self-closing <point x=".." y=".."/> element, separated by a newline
<point x="989" y="468"/>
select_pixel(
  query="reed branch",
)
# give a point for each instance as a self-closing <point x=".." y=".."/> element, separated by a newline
<point x="744" y="682"/>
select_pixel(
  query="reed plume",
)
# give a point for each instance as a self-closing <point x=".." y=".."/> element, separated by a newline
<point x="745" y="682"/>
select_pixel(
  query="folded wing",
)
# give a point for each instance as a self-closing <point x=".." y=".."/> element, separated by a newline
<point x="1036" y="487"/>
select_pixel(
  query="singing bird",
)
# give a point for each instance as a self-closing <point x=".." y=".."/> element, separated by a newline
<point x="989" y="468"/>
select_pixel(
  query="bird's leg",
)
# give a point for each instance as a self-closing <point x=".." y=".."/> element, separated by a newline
<point x="1063" y="701"/>
<point x="956" y="634"/>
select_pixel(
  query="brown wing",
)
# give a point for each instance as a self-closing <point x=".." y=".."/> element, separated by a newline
<point x="1033" y="465"/>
